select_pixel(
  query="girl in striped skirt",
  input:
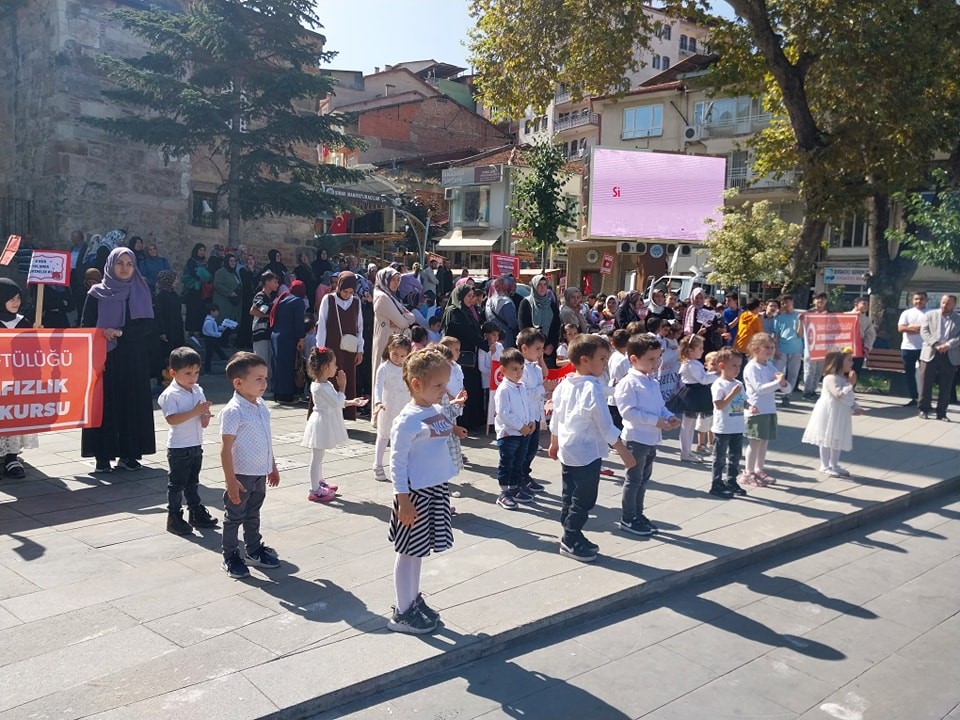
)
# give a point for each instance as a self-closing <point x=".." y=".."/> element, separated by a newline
<point x="420" y="466"/>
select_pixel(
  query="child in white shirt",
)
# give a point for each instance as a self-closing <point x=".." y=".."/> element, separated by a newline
<point x="485" y="360"/>
<point x="728" y="424"/>
<point x="762" y="381"/>
<point x="513" y="428"/>
<point x="211" y="337"/>
<point x="530" y="342"/>
<point x="693" y="397"/>
<point x="390" y="395"/>
<point x="617" y="367"/>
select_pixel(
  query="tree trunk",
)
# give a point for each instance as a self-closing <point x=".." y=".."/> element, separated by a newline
<point x="800" y="270"/>
<point x="889" y="275"/>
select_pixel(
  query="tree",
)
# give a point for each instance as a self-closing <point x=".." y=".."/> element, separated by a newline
<point x="932" y="236"/>
<point x="236" y="80"/>
<point x="538" y="206"/>
<point x="753" y="243"/>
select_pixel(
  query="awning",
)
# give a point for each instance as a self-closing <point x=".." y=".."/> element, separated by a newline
<point x="478" y="240"/>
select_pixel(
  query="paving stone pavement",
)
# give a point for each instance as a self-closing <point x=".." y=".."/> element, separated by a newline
<point x="816" y="634"/>
<point x="104" y="614"/>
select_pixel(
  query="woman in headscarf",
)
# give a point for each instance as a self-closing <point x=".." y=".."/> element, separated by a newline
<point x="501" y="311"/>
<point x="631" y="309"/>
<point x="169" y="321"/>
<point x="249" y="280"/>
<point x="571" y="312"/>
<point x="460" y="322"/>
<point x="122" y="306"/>
<point x="276" y="266"/>
<point x="11" y="318"/>
<point x="227" y="289"/>
<point x="322" y="264"/>
<point x="389" y="314"/>
<point x="340" y="313"/>
<point x="658" y="306"/>
<point x="304" y="273"/>
<point x="287" y="329"/>
<point x="540" y="310"/>
<point x="152" y="265"/>
<point x="693" y="325"/>
<point x="194" y="277"/>
<point x="135" y="243"/>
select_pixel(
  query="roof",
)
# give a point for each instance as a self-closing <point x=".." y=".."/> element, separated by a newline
<point x="691" y="64"/>
<point x="431" y="67"/>
<point x="642" y="90"/>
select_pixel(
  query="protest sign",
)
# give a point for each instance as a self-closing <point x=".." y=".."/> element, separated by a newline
<point x="496" y="375"/>
<point x="823" y="332"/>
<point x="10" y="250"/>
<point x="501" y="264"/>
<point x="606" y="265"/>
<point x="49" y="267"/>
<point x="51" y="380"/>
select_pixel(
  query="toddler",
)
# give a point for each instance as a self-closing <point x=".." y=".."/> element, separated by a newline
<point x="389" y="396"/>
<point x="693" y="397"/>
<point x="761" y="380"/>
<point x="513" y="430"/>
<point x="728" y="424"/>
<point x="830" y="426"/>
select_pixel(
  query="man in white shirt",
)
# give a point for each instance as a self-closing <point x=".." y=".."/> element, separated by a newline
<point x="911" y="343"/>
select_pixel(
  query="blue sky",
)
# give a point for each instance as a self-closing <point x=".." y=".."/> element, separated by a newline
<point x="374" y="33"/>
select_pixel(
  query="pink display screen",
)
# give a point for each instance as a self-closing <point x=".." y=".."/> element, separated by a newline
<point x="649" y="195"/>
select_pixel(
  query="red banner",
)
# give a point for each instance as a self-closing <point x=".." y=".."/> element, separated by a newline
<point x="823" y="332"/>
<point x="558" y="373"/>
<point x="51" y="380"/>
<point x="496" y="374"/>
<point x="501" y="264"/>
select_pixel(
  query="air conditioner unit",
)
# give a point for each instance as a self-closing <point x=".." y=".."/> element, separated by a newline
<point x="451" y="193"/>
<point x="632" y="248"/>
<point x="685" y="250"/>
<point x="695" y="133"/>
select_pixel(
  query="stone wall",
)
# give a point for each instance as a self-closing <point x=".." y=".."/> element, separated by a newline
<point x="79" y="177"/>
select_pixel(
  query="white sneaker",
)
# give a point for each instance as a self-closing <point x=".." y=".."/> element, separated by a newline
<point x="830" y="472"/>
<point x="841" y="472"/>
<point x="379" y="475"/>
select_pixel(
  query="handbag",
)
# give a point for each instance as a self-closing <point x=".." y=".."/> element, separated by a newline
<point x="348" y="343"/>
<point x="467" y="359"/>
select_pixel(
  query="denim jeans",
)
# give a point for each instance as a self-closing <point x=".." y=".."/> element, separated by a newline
<point x="728" y="449"/>
<point x="530" y="448"/>
<point x="910" y="360"/>
<point x="510" y="469"/>
<point x="184" y="477"/>
<point x="580" y="487"/>
<point x="637" y="477"/>
<point x="246" y="513"/>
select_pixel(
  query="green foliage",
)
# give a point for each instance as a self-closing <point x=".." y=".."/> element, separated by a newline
<point x="935" y="236"/>
<point x="538" y="206"/>
<point x="753" y="243"/>
<point x="237" y="80"/>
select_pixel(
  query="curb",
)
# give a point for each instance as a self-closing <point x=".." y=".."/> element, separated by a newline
<point x="483" y="646"/>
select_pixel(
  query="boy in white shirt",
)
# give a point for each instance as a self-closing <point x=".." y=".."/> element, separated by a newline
<point x="187" y="412"/>
<point x="433" y="329"/>
<point x="729" y="400"/>
<point x="617" y="367"/>
<point x="644" y="416"/>
<point x="211" y="337"/>
<point x="513" y="428"/>
<point x="582" y="434"/>
<point x="530" y="342"/>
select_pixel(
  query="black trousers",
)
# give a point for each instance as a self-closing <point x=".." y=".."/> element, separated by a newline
<point x="940" y="372"/>
<point x="727" y="451"/>
<point x="211" y="346"/>
<point x="580" y="487"/>
<point x="910" y="360"/>
<point x="184" y="477"/>
<point x="246" y="513"/>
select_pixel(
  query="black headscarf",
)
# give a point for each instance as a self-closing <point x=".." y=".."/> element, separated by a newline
<point x="8" y="291"/>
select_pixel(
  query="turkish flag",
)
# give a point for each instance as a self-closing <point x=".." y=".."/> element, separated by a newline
<point x="339" y="224"/>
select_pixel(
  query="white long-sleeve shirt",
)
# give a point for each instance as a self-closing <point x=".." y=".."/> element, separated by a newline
<point x="485" y="360"/>
<point x="761" y="384"/>
<point x="513" y="408"/>
<point x="641" y="407"/>
<point x="536" y="393"/>
<point x="617" y="368"/>
<point x="324" y="312"/>
<point x="420" y="458"/>
<point x="692" y="372"/>
<point x="581" y="421"/>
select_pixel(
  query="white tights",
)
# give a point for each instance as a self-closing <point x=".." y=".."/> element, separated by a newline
<point x="687" y="427"/>
<point x="756" y="455"/>
<point x="316" y="469"/>
<point x="406" y="580"/>
<point x="380" y="449"/>
<point x="829" y="458"/>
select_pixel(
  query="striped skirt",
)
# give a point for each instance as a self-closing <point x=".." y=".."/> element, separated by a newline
<point x="433" y="528"/>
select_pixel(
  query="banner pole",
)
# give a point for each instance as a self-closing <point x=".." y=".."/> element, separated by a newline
<point x="38" y="320"/>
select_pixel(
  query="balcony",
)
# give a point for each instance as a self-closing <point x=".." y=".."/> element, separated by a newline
<point x="575" y="121"/>
<point x="733" y="126"/>
<point x="741" y="179"/>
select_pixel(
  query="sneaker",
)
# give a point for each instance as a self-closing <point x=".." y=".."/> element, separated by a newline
<point x="763" y="479"/>
<point x="321" y="495"/>
<point x="589" y="545"/>
<point x="702" y="450"/>
<point x="263" y="557"/>
<point x="735" y="487"/>
<point x="522" y="496"/>
<point x="128" y="464"/>
<point x="785" y="401"/>
<point x="200" y="517"/>
<point x="428" y="612"/>
<point x="809" y="396"/>
<point x="841" y="472"/>
<point x="177" y="525"/>
<point x="636" y="527"/>
<point x="328" y="486"/>
<point x="412" y="622"/>
<point x="830" y="472"/>
<point x="721" y="490"/>
<point x="578" y="551"/>
<point x="748" y="478"/>
<point x="235" y="567"/>
<point x="534" y="487"/>
<point x="910" y="403"/>
<point x="691" y="459"/>
<point x="506" y="501"/>
<point x="13" y="469"/>
<point x="379" y="475"/>
<point x="645" y="521"/>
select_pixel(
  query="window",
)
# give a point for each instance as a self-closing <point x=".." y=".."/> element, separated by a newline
<point x="666" y="32"/>
<point x="683" y="42"/>
<point x="572" y="151"/>
<point x="472" y="208"/>
<point x="664" y="63"/>
<point x="536" y="125"/>
<point x="656" y="62"/>
<point x="527" y="127"/>
<point x="692" y="45"/>
<point x="742" y="114"/>
<point x="852" y="234"/>
<point x="642" y="122"/>
<point x="204" y="210"/>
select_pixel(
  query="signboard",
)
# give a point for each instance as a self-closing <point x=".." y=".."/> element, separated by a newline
<point x="51" y="380"/>
<point x="823" y="332"/>
<point x="480" y="175"/>
<point x="49" y="267"/>
<point x="843" y="275"/>
<point x="439" y="258"/>
<point x="362" y="196"/>
<point x="10" y="249"/>
<point x="501" y="264"/>
<point x="606" y="266"/>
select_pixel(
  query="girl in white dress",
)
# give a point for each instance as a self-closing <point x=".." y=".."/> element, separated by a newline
<point x="325" y="427"/>
<point x="830" y="426"/>
<point x="390" y="395"/>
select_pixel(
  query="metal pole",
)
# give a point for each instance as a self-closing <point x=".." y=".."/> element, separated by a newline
<point x="423" y="245"/>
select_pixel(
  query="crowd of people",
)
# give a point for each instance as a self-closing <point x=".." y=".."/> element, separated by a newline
<point x="416" y="351"/>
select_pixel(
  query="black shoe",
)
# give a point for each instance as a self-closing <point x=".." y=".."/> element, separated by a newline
<point x="506" y="501"/>
<point x="649" y="525"/>
<point x="809" y="396"/>
<point x="200" y="517"/>
<point x="263" y="557"/>
<point x="177" y="525"/>
<point x="128" y="464"/>
<point x="910" y="403"/>
<point x="428" y="612"/>
<point x="735" y="487"/>
<point x="587" y="544"/>
<point x="13" y="468"/>
<point x="522" y="496"/>
<point x="412" y="622"/>
<point x="533" y="487"/>
<point x="721" y="490"/>
<point x="103" y="468"/>
<point x="943" y="417"/>
<point x="235" y="567"/>
<point x="924" y="415"/>
<point x="578" y="551"/>
<point x="635" y="527"/>
<point x="785" y="401"/>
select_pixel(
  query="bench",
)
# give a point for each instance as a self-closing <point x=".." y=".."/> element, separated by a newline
<point x="887" y="362"/>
